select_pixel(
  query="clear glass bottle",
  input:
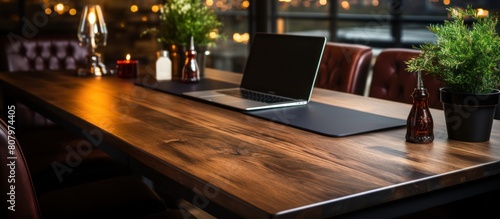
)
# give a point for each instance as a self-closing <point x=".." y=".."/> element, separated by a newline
<point x="190" y="71"/>
<point x="163" y="66"/>
<point x="419" y="126"/>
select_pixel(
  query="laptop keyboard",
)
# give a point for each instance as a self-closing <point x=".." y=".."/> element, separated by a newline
<point x="261" y="97"/>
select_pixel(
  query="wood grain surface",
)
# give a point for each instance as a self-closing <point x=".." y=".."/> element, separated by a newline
<point x="253" y="167"/>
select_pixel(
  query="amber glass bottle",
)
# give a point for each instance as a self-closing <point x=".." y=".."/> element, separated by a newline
<point x="419" y="126"/>
<point x="190" y="71"/>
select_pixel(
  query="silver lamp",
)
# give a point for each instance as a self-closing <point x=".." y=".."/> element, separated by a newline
<point x="92" y="32"/>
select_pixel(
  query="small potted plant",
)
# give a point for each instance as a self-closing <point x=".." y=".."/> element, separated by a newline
<point x="179" y="21"/>
<point x="465" y="56"/>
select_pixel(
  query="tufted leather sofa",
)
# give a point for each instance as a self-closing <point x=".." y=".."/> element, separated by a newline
<point x="391" y="81"/>
<point x="40" y="53"/>
<point x="43" y="53"/>
<point x="344" y="67"/>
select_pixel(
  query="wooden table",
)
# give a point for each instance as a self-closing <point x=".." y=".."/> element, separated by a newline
<point x="234" y="165"/>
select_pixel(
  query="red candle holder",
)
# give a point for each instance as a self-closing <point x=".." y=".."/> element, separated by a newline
<point x="127" y="68"/>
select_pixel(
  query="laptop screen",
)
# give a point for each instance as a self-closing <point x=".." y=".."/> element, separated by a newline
<point x="284" y="65"/>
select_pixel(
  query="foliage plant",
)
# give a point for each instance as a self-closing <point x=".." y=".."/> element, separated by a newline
<point x="181" y="19"/>
<point x="466" y="56"/>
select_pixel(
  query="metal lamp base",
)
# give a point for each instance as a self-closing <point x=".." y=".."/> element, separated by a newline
<point x="94" y="66"/>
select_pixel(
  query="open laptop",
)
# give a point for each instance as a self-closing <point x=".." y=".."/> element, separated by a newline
<point x="280" y="71"/>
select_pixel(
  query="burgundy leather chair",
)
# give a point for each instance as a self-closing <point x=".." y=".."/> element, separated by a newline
<point x="391" y="81"/>
<point x="344" y="67"/>
<point x="117" y="197"/>
<point x="59" y="159"/>
<point x="40" y="53"/>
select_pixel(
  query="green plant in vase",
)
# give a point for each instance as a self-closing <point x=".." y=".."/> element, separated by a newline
<point x="465" y="56"/>
<point x="180" y="20"/>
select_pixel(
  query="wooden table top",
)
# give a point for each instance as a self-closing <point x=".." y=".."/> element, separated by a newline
<point x="257" y="168"/>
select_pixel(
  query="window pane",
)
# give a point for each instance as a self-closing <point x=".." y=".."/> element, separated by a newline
<point x="366" y="7"/>
<point x="364" y="21"/>
<point x="125" y="23"/>
<point x="418" y="15"/>
<point x="10" y="16"/>
<point x="302" y="26"/>
<point x="302" y="17"/>
<point x="230" y="54"/>
<point x="302" y="6"/>
<point x="356" y="21"/>
<point x="365" y="32"/>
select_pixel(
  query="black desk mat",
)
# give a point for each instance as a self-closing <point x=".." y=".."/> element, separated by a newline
<point x="315" y="117"/>
<point x="329" y="120"/>
<point x="177" y="87"/>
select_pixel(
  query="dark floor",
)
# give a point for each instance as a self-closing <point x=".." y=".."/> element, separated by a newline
<point x="486" y="205"/>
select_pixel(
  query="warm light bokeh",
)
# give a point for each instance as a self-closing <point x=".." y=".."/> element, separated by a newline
<point x="345" y="5"/>
<point x="155" y="8"/>
<point x="59" y="8"/>
<point x="72" y="11"/>
<point x="241" y="38"/>
<point x="134" y="8"/>
<point x="213" y="34"/>
<point x="245" y="4"/>
<point x="482" y="13"/>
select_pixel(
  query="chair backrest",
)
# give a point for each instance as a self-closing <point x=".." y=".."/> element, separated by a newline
<point x="16" y="180"/>
<point x="42" y="53"/>
<point x="391" y="81"/>
<point x="344" y="67"/>
<point x="57" y="52"/>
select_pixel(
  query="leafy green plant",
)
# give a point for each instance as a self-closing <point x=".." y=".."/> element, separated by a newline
<point x="181" y="19"/>
<point x="465" y="56"/>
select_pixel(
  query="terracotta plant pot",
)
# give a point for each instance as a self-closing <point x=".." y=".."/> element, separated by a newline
<point x="469" y="117"/>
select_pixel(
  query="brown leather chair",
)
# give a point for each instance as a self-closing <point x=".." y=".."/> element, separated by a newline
<point x="40" y="53"/>
<point x="59" y="159"/>
<point x="121" y="197"/>
<point x="391" y="81"/>
<point x="117" y="197"/>
<point x="344" y="67"/>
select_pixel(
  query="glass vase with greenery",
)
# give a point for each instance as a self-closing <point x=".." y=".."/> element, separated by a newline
<point x="181" y="19"/>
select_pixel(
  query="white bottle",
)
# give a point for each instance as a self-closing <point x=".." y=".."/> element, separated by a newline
<point x="163" y="66"/>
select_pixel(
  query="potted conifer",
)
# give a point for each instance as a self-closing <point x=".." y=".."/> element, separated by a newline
<point x="465" y="56"/>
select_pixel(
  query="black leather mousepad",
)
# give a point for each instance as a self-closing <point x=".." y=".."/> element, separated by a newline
<point x="328" y="120"/>
<point x="177" y="87"/>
